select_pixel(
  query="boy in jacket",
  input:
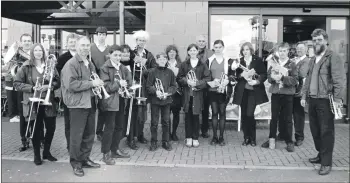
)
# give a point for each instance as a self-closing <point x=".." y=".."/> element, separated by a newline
<point x="161" y="85"/>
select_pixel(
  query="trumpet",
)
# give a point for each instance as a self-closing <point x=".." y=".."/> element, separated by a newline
<point x="191" y="76"/>
<point x="159" y="87"/>
<point x="336" y="110"/>
<point x="97" y="90"/>
<point x="252" y="74"/>
<point x="123" y="91"/>
<point x="222" y="87"/>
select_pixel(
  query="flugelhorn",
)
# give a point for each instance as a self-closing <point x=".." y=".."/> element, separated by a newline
<point x="191" y="76"/>
<point x="221" y="88"/>
<point x="97" y="90"/>
<point x="336" y="110"/>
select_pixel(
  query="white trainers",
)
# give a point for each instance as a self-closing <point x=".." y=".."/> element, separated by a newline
<point x="14" y="119"/>
<point x="272" y="143"/>
<point x="195" y="143"/>
<point x="189" y="142"/>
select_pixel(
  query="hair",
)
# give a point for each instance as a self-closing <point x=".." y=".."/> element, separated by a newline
<point x="190" y="47"/>
<point x="101" y="30"/>
<point x="202" y="35"/>
<point x="82" y="37"/>
<point x="161" y="54"/>
<point x="250" y="46"/>
<point x="283" y="45"/>
<point x="219" y="41"/>
<point x="25" y="35"/>
<point x="72" y="36"/>
<point x="125" y="46"/>
<point x="32" y="58"/>
<point x="141" y="34"/>
<point x="318" y="32"/>
<point x="114" y="48"/>
<point x="173" y="47"/>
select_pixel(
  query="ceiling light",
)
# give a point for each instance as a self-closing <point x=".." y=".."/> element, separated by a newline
<point x="297" y="20"/>
<point x="80" y="30"/>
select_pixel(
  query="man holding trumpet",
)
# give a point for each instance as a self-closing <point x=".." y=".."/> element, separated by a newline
<point x="79" y="98"/>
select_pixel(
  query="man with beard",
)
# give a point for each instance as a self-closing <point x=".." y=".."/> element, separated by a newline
<point x="61" y="61"/>
<point x="325" y="79"/>
<point x="203" y="55"/>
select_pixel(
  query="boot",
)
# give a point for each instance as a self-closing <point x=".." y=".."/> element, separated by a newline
<point x="25" y="145"/>
<point x="132" y="144"/>
<point x="46" y="153"/>
<point x="37" y="157"/>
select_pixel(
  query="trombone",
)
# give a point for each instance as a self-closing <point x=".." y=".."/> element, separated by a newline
<point x="191" y="76"/>
<point x="138" y="68"/>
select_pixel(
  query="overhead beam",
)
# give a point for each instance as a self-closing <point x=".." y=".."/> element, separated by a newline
<point x="136" y="12"/>
<point x="107" y="5"/>
<point x="90" y="26"/>
<point x="88" y="13"/>
<point x="77" y="4"/>
<point x="63" y="4"/>
<point x="89" y="10"/>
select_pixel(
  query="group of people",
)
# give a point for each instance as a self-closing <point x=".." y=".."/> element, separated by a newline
<point x="133" y="78"/>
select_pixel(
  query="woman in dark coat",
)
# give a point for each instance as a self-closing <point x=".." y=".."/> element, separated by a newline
<point x="249" y="91"/>
<point x="192" y="97"/>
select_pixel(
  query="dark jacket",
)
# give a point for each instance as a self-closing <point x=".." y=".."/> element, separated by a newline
<point x="179" y="90"/>
<point x="289" y="82"/>
<point x="331" y="77"/>
<point x="168" y="81"/>
<point x="204" y="54"/>
<point x="19" y="58"/>
<point x="259" y="90"/>
<point x="228" y="71"/>
<point x="62" y="60"/>
<point x="76" y="84"/>
<point x="107" y="75"/>
<point x="25" y="81"/>
<point x="203" y="75"/>
<point x="302" y="68"/>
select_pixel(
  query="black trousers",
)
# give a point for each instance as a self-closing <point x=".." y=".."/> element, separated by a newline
<point x="100" y="123"/>
<point x="138" y="119"/>
<point x="13" y="102"/>
<point x="66" y="123"/>
<point x="191" y="123"/>
<point x="218" y="107"/>
<point x="282" y="105"/>
<point x="82" y="133"/>
<point x="205" y="113"/>
<point x="322" y="128"/>
<point x="298" y="118"/>
<point x="165" y="120"/>
<point x="50" y="125"/>
<point x="175" y="108"/>
<point x="248" y="106"/>
<point x="114" y="127"/>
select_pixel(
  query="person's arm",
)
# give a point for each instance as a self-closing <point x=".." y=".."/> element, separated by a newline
<point x="60" y="63"/>
<point x="269" y="78"/>
<point x="291" y="80"/>
<point x="261" y="71"/>
<point x="181" y="77"/>
<point x="110" y="85"/>
<point x="172" y="88"/>
<point x="338" y="77"/>
<point x="202" y="83"/>
<point x="56" y="82"/>
<point x="151" y="89"/>
<point x="20" y="82"/>
<point x="74" y="83"/>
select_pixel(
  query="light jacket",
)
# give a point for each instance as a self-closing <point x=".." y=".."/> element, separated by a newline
<point x="289" y="82"/>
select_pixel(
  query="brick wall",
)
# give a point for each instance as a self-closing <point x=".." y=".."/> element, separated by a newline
<point x="175" y="23"/>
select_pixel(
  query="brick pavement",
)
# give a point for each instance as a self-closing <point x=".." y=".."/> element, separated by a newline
<point x="231" y="155"/>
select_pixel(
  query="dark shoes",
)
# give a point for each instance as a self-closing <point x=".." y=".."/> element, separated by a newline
<point x="90" y="164"/>
<point x="214" y="141"/>
<point x="222" y="141"/>
<point x="316" y="160"/>
<point x="99" y="137"/>
<point x="298" y="143"/>
<point x="142" y="140"/>
<point x="120" y="154"/>
<point x="265" y="144"/>
<point x="205" y="135"/>
<point x="324" y="170"/>
<point x="246" y="142"/>
<point x="167" y="146"/>
<point x="49" y="157"/>
<point x="37" y="160"/>
<point x="290" y="147"/>
<point x="253" y="143"/>
<point x="78" y="171"/>
<point x="108" y="159"/>
<point x="154" y="146"/>
<point x="174" y="137"/>
<point x="25" y="145"/>
<point x="132" y="144"/>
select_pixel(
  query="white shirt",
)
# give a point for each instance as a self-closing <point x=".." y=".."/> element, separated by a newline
<point x="72" y="53"/>
<point x="300" y="59"/>
<point x="318" y="57"/>
<point x="115" y="65"/>
<point x="282" y="63"/>
<point x="101" y="47"/>
<point x="172" y="63"/>
<point x="194" y="62"/>
<point x="248" y="61"/>
<point x="40" y="68"/>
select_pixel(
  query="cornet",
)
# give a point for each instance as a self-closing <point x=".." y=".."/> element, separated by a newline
<point x="252" y="74"/>
<point x="123" y="91"/>
<point x="336" y="110"/>
<point x="221" y="88"/>
<point x="97" y="90"/>
<point x="159" y="87"/>
<point x="191" y="76"/>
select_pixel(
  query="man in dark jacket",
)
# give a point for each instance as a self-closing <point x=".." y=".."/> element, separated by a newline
<point x="325" y="79"/>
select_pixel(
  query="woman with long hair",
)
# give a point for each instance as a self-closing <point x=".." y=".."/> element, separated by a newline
<point x="32" y="71"/>
<point x="250" y="91"/>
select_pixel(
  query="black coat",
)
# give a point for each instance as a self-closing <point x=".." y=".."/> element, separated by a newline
<point x="259" y="90"/>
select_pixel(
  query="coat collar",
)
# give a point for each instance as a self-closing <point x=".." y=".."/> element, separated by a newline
<point x="211" y="59"/>
<point x="188" y="61"/>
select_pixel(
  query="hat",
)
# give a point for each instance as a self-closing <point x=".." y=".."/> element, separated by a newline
<point x="101" y="30"/>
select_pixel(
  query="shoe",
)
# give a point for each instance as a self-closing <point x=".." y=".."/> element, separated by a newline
<point x="99" y="137"/>
<point x="290" y="147"/>
<point x="298" y="143"/>
<point x="108" y="159"/>
<point x="174" y="137"/>
<point x="188" y="142"/>
<point x="324" y="170"/>
<point x="90" y="164"/>
<point x="316" y="160"/>
<point x="154" y="146"/>
<point x="49" y="157"/>
<point x="120" y="154"/>
<point x="142" y="139"/>
<point x="214" y="141"/>
<point x="195" y="143"/>
<point x="14" y="120"/>
<point x="265" y="144"/>
<point x="253" y="143"/>
<point x="167" y="146"/>
<point x="272" y="143"/>
<point x="222" y="141"/>
<point x="37" y="160"/>
<point x="205" y="135"/>
<point x="133" y="145"/>
<point x="246" y="142"/>
<point x="25" y="146"/>
<point x="78" y="171"/>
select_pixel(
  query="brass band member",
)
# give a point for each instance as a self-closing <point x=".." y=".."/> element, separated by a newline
<point x="221" y="70"/>
<point x="61" y="61"/>
<point x="325" y="80"/>
<point x="250" y="92"/>
<point x="192" y="97"/>
<point x="144" y="60"/>
<point x="25" y="82"/>
<point x="115" y="76"/>
<point x="174" y="62"/>
<point x="80" y="100"/>
<point x="282" y="74"/>
<point x="161" y="85"/>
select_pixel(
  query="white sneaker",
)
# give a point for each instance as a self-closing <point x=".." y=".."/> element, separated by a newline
<point x="189" y="142"/>
<point x="272" y="143"/>
<point x="14" y="120"/>
<point x="195" y="143"/>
